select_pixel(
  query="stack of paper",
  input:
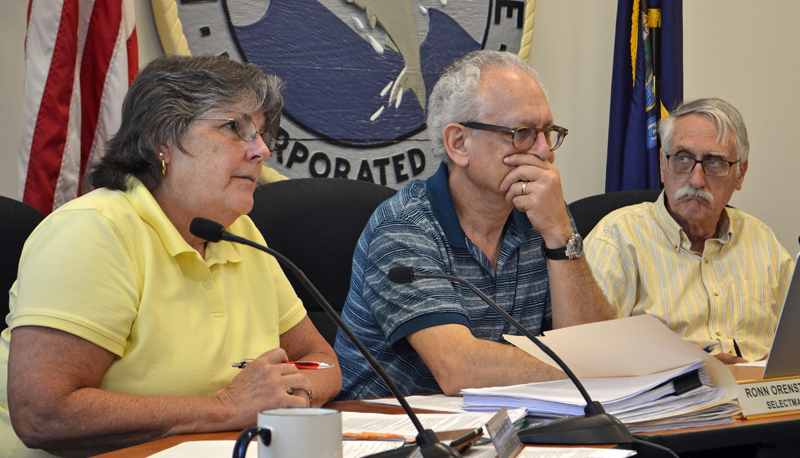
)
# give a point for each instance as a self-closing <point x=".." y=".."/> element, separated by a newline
<point x="642" y="373"/>
<point x="649" y="401"/>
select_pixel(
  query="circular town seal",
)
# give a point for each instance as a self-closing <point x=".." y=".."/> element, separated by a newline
<point x="358" y="72"/>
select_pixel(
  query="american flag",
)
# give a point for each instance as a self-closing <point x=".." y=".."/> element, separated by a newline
<point x="80" y="58"/>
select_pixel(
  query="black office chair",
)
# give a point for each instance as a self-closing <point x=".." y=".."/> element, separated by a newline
<point x="17" y="221"/>
<point x="587" y="212"/>
<point x="316" y="223"/>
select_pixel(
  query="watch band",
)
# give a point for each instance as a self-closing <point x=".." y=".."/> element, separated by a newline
<point x="572" y="250"/>
<point x="555" y="254"/>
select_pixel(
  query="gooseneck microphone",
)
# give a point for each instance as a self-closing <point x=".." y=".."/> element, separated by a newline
<point x="429" y="444"/>
<point x="596" y="427"/>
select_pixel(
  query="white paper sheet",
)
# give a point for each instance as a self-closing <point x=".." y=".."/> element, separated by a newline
<point x="356" y="422"/>
<point x="552" y="452"/>
<point x="204" y="449"/>
<point x="631" y="346"/>
<point x="357" y="449"/>
<point x="224" y="449"/>
<point x="605" y="390"/>
<point x="437" y="402"/>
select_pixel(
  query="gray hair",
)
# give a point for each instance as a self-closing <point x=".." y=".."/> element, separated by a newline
<point x="456" y="96"/>
<point x="166" y="97"/>
<point x="724" y="115"/>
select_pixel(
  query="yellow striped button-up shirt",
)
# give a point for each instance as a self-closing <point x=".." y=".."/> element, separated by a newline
<point x="733" y="291"/>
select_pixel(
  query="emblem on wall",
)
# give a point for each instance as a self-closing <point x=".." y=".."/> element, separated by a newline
<point x="358" y="72"/>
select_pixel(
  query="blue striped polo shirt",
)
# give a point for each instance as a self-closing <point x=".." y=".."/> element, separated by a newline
<point x="419" y="228"/>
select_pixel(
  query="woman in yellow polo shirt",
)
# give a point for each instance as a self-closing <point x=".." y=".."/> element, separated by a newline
<point x="123" y="325"/>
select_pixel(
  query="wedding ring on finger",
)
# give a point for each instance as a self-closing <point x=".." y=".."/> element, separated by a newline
<point x="290" y="391"/>
<point x="524" y="188"/>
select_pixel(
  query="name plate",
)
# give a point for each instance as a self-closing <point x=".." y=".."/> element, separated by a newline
<point x="504" y="436"/>
<point x="770" y="397"/>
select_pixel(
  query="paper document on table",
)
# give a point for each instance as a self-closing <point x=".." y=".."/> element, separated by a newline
<point x="488" y="451"/>
<point x="721" y="414"/>
<point x="563" y="392"/>
<point x="630" y="399"/>
<point x="204" y="449"/>
<point x="438" y="402"/>
<point x="224" y="449"/>
<point x="358" y="449"/>
<point x="355" y="422"/>
<point x="626" y="347"/>
<point x="611" y="358"/>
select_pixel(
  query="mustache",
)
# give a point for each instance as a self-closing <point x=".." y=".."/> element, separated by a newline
<point x="689" y="191"/>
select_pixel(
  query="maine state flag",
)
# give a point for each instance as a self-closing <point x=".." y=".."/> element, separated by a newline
<point x="647" y="82"/>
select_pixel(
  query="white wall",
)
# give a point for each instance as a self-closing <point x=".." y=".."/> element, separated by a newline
<point x="12" y="74"/>
<point x="756" y="70"/>
<point x="732" y="49"/>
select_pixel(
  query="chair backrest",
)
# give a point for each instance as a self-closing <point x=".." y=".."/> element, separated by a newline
<point x="17" y="221"/>
<point x="587" y="212"/>
<point x="316" y="223"/>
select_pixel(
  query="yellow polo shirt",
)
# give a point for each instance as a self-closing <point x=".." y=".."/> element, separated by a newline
<point x="111" y="268"/>
<point x="643" y="262"/>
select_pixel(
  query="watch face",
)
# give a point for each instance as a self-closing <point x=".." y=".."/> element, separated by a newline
<point x="575" y="246"/>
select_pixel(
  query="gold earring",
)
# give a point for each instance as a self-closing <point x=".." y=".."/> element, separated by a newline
<point x="163" y="167"/>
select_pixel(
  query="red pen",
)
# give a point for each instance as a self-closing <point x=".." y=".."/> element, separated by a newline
<point x="298" y="364"/>
<point x="310" y="365"/>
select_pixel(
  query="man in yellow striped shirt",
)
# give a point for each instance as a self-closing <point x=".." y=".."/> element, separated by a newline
<point x="714" y="275"/>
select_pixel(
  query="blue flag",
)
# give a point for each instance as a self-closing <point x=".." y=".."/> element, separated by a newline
<point x="647" y="82"/>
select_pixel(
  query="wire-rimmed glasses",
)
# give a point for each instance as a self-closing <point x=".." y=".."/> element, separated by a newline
<point x="246" y="129"/>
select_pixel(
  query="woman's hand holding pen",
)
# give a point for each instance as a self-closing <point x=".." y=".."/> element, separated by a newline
<point x="265" y="383"/>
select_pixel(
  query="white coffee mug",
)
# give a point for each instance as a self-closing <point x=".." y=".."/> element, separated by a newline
<point x="295" y="433"/>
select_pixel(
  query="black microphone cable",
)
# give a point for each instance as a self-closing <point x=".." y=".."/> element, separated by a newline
<point x="596" y="427"/>
<point x="429" y="444"/>
<point x="612" y="430"/>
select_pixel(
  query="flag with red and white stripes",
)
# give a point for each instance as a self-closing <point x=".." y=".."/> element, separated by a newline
<point x="80" y="58"/>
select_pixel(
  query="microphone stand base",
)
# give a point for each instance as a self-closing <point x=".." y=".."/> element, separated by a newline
<point x="579" y="430"/>
<point x="431" y="447"/>
<point x="426" y="444"/>
<point x="439" y="451"/>
<point x="414" y="451"/>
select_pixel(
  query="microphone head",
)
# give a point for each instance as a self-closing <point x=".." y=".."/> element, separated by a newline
<point x="401" y="274"/>
<point x="206" y="229"/>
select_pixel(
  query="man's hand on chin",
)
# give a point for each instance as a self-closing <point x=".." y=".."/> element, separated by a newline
<point x="534" y="187"/>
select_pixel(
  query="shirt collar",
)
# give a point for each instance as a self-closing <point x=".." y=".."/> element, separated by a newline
<point x="445" y="212"/>
<point x="150" y="211"/>
<point x="674" y="232"/>
<point x="725" y="232"/>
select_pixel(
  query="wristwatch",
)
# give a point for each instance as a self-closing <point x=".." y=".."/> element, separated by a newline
<point x="572" y="250"/>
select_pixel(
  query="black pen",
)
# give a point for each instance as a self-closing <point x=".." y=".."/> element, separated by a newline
<point x="711" y="347"/>
<point x="468" y="436"/>
<point x="736" y="348"/>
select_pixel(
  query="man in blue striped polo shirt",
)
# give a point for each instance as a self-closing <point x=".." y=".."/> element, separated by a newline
<point x="493" y="214"/>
